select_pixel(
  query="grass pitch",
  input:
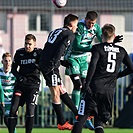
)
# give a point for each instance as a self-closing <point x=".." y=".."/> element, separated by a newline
<point x="55" y="130"/>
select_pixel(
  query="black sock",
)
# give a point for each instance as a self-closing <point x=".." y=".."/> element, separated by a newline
<point x="77" y="128"/>
<point x="59" y="113"/>
<point x="6" y="120"/>
<point x="12" y="122"/>
<point x="29" y="124"/>
<point x="68" y="101"/>
<point x="99" y="130"/>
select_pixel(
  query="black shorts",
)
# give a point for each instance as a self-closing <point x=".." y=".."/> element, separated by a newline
<point x="87" y="105"/>
<point x="52" y="78"/>
<point x="104" y="105"/>
<point x="28" y="96"/>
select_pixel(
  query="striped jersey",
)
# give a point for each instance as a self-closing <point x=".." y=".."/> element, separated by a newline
<point x="7" y="81"/>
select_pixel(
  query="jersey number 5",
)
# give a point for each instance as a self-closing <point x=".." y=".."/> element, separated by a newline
<point x="111" y="62"/>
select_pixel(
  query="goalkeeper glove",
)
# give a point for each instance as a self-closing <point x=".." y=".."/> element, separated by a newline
<point x="118" y="38"/>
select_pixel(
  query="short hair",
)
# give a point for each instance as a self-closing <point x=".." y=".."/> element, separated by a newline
<point x="69" y="18"/>
<point x="92" y="15"/>
<point x="7" y="54"/>
<point x="108" y="30"/>
<point x="30" y="36"/>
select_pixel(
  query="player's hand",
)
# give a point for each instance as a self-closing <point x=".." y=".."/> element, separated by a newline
<point x="2" y="109"/>
<point x="118" y="38"/>
<point x="65" y="63"/>
<point x="22" y="79"/>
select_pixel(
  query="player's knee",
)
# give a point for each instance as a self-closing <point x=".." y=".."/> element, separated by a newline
<point x="30" y="113"/>
<point x="105" y="117"/>
<point x="30" y="116"/>
<point x="13" y="112"/>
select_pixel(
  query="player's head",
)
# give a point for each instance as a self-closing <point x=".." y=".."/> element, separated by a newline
<point x="108" y="32"/>
<point x="90" y="19"/>
<point x="30" y="42"/>
<point x="6" y="61"/>
<point x="71" y="22"/>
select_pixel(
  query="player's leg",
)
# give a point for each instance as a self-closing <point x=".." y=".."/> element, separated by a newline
<point x="6" y="115"/>
<point x="78" y="125"/>
<point x="31" y="102"/>
<point x="104" y="104"/>
<point x="74" y="72"/>
<point x="77" y="85"/>
<point x="56" y="103"/>
<point x="12" y="120"/>
<point x="67" y="100"/>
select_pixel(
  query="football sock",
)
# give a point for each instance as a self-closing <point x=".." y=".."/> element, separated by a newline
<point x="59" y="113"/>
<point x="99" y="130"/>
<point x="77" y="127"/>
<point x="6" y="122"/>
<point x="76" y="97"/>
<point x="68" y="101"/>
<point x="29" y="124"/>
<point x="12" y="124"/>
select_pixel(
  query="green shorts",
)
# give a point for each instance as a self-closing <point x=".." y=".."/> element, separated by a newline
<point x="79" y="66"/>
<point x="7" y="109"/>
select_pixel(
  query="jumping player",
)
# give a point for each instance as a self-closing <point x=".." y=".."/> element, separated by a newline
<point x="57" y="42"/>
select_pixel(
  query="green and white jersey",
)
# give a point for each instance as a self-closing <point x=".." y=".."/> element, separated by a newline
<point x="82" y="43"/>
<point x="7" y="81"/>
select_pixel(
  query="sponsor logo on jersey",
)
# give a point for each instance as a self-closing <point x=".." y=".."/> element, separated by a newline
<point x="34" y="54"/>
<point x="111" y="49"/>
<point x="28" y="61"/>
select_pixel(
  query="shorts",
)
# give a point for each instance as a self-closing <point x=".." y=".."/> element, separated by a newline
<point x="52" y="78"/>
<point x="79" y="66"/>
<point x="28" y="96"/>
<point x="104" y="105"/>
<point x="87" y="105"/>
<point x="7" y="109"/>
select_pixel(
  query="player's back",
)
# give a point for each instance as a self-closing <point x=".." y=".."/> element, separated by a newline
<point x="110" y="57"/>
<point x="56" y="38"/>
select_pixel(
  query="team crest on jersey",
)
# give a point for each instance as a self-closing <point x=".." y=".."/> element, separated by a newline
<point x="34" y="54"/>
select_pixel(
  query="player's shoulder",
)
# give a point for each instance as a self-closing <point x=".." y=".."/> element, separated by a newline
<point x="66" y="32"/>
<point x="121" y="49"/>
<point x="37" y="49"/>
<point x="81" y="25"/>
<point x="20" y="50"/>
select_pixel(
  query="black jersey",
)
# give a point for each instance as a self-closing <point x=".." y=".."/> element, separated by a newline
<point x="26" y="64"/>
<point x="57" y="42"/>
<point x="105" y="65"/>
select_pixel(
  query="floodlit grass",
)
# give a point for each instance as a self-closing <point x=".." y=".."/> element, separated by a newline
<point x="55" y="130"/>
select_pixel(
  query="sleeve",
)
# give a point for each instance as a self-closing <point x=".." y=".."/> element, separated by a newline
<point x="77" y="41"/>
<point x="99" y="34"/>
<point x="60" y="51"/>
<point x="15" y="66"/>
<point x="129" y="66"/>
<point x="1" y="94"/>
<point x="92" y="65"/>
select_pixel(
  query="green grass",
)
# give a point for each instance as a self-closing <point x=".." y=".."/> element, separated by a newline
<point x="55" y="130"/>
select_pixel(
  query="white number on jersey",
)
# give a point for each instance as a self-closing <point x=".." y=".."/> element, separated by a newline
<point x="111" y="62"/>
<point x="53" y="35"/>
